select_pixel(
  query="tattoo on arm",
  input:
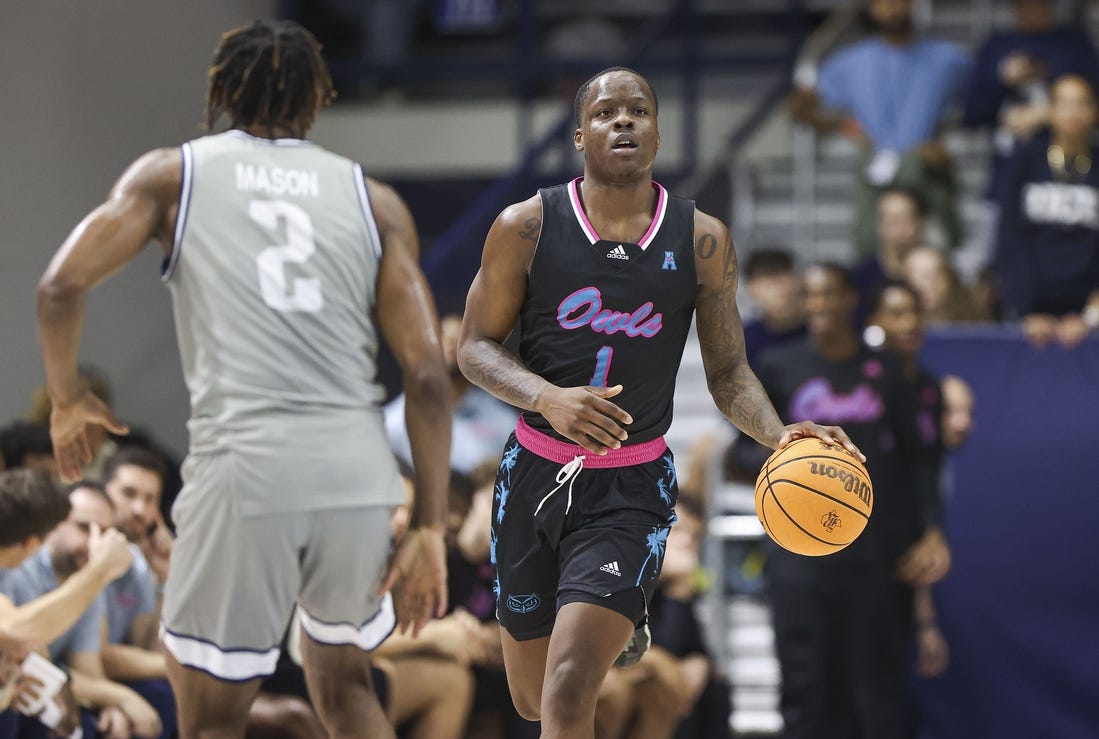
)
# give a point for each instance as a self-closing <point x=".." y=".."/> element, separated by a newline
<point x="735" y="388"/>
<point x="491" y="366"/>
<point x="532" y="228"/>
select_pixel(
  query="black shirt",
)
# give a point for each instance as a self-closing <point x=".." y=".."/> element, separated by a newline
<point x="610" y="313"/>
<point x="879" y="409"/>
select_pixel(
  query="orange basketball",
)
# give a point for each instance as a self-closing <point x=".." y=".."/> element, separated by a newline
<point x="813" y="498"/>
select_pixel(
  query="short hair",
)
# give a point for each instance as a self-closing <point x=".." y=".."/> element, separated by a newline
<point x="136" y="456"/>
<point x="270" y="72"/>
<point x="30" y="505"/>
<point x="873" y="304"/>
<point x="767" y="262"/>
<point x="843" y="274"/>
<point x="21" y="438"/>
<point x="583" y="91"/>
<point x="93" y="486"/>
<point x="919" y="202"/>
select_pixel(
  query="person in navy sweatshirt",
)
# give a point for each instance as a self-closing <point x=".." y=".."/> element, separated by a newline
<point x="1048" y="251"/>
<point x="1009" y="88"/>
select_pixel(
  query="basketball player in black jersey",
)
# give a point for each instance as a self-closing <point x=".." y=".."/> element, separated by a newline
<point x="603" y="274"/>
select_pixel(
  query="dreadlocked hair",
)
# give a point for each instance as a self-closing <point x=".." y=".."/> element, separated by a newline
<point x="270" y="72"/>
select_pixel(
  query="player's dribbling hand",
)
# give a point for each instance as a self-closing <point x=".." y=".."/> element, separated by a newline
<point x="109" y="552"/>
<point x="68" y="430"/>
<point x="417" y="577"/>
<point x="584" y="415"/>
<point x="827" y="434"/>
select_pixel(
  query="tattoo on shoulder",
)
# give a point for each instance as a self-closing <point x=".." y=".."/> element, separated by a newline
<point x="706" y="247"/>
<point x="532" y="227"/>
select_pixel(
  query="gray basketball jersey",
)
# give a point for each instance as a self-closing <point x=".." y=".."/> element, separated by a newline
<point x="273" y="275"/>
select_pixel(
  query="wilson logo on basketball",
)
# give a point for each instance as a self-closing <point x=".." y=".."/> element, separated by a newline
<point x="830" y="521"/>
<point x="851" y="483"/>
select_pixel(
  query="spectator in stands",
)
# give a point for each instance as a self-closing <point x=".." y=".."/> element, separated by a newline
<point x="30" y="507"/>
<point x="897" y="86"/>
<point x="25" y="445"/>
<point x="482" y="423"/>
<point x="1009" y="89"/>
<point x="844" y="621"/>
<point x="944" y="296"/>
<point x="67" y="551"/>
<point x="134" y="480"/>
<point x="1048" y="251"/>
<point x="958" y="403"/>
<point x="901" y="222"/>
<point x="775" y="290"/>
<point x="132" y="654"/>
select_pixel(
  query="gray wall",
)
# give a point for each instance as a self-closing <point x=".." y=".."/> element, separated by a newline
<point x="87" y="87"/>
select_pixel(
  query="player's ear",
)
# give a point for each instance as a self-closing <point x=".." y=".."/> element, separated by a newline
<point x="578" y="139"/>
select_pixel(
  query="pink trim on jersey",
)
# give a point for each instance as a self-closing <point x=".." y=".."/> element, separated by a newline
<point x="589" y="230"/>
<point x="578" y="209"/>
<point x="563" y="452"/>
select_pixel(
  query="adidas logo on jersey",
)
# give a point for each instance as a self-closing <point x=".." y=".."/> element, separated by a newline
<point x="612" y="568"/>
<point x="618" y="252"/>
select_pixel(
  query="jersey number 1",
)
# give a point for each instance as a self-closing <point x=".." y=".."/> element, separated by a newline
<point x="305" y="292"/>
<point x="602" y="366"/>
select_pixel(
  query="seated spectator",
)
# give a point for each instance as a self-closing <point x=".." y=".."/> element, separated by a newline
<point x="132" y="655"/>
<point x="896" y="86"/>
<point x="775" y="291"/>
<point x="901" y="224"/>
<point x="25" y="445"/>
<point x="1048" y="251"/>
<point x="30" y="507"/>
<point x="1009" y="89"/>
<point x="67" y="551"/>
<point x="482" y="423"/>
<point x="944" y="297"/>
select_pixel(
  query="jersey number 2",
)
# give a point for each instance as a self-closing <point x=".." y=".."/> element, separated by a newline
<point x="304" y="294"/>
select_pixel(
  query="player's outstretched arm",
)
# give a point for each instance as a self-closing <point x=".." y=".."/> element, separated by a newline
<point x="582" y="414"/>
<point x="408" y="321"/>
<point x="141" y="206"/>
<point x="735" y="388"/>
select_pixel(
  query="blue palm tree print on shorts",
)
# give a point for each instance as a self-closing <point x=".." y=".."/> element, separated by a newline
<point x="665" y="486"/>
<point x="511" y="456"/>
<point x="492" y="558"/>
<point x="656" y="540"/>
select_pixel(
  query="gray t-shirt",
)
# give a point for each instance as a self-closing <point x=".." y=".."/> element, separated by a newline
<point x="130" y="596"/>
<point x="36" y="577"/>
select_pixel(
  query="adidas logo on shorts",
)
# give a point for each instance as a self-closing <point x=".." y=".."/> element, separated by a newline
<point x="618" y="252"/>
<point x="612" y="568"/>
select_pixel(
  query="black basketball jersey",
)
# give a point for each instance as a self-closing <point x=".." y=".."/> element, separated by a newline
<point x="610" y="313"/>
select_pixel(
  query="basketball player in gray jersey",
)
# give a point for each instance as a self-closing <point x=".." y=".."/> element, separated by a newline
<point x="284" y="262"/>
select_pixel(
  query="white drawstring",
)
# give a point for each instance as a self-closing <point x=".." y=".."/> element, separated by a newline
<point x="568" y="474"/>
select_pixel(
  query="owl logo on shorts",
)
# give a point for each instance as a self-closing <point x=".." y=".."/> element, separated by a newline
<point x="523" y="603"/>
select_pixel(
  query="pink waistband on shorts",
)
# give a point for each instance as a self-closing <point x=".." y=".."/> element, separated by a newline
<point x="563" y="452"/>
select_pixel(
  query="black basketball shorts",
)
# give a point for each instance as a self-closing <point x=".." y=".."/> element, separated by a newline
<point x="570" y="526"/>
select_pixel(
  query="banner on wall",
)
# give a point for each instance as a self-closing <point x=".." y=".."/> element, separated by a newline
<point x="1020" y="608"/>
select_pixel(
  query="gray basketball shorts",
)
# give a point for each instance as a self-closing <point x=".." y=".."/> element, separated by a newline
<point x="236" y="576"/>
